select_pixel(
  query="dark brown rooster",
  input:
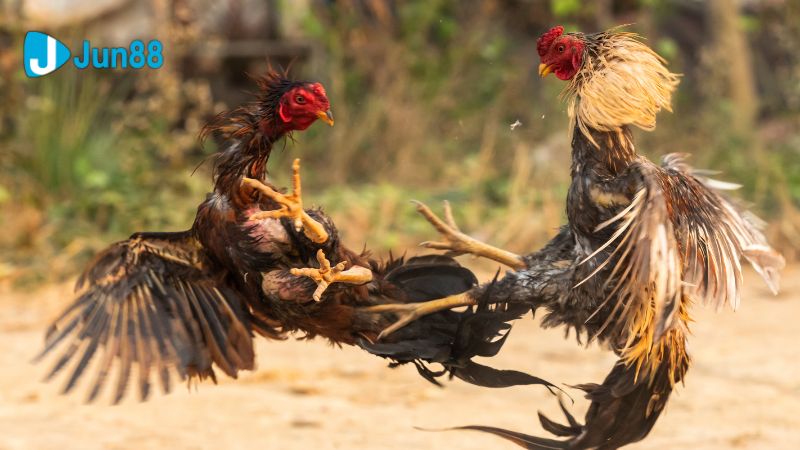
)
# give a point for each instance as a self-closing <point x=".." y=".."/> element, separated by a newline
<point x="255" y="261"/>
<point x="644" y="242"/>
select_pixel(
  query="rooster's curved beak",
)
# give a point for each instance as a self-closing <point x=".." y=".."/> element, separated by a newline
<point x="544" y="69"/>
<point x="326" y="116"/>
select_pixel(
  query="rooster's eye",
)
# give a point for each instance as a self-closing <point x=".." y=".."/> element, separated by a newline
<point x="300" y="99"/>
<point x="560" y="48"/>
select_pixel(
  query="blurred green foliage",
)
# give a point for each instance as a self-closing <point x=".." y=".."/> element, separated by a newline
<point x="424" y="97"/>
<point x="563" y="8"/>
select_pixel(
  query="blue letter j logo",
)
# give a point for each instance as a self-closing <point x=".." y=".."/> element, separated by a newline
<point x="43" y="54"/>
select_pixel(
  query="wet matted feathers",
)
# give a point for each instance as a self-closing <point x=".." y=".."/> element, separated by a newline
<point x="151" y="301"/>
<point x="246" y="134"/>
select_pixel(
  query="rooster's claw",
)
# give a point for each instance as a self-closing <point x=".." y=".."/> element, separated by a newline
<point x="291" y="206"/>
<point x="326" y="274"/>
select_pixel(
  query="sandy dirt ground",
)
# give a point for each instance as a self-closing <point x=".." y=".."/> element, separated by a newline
<point x="743" y="391"/>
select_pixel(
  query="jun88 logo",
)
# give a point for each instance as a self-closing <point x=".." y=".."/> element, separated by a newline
<point x="43" y="54"/>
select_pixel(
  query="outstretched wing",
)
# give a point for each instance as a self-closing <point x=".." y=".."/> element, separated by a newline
<point x="717" y="234"/>
<point x="153" y="301"/>
<point x="678" y="239"/>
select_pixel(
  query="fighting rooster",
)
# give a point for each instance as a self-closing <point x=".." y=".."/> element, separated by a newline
<point x="644" y="242"/>
<point x="254" y="261"/>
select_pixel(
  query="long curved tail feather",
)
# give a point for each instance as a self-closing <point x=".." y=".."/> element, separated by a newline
<point x="623" y="410"/>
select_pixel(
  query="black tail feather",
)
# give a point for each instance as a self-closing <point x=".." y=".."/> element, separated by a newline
<point x="623" y="410"/>
<point x="490" y="377"/>
<point x="424" y="278"/>
<point x="451" y="338"/>
<point x="523" y="440"/>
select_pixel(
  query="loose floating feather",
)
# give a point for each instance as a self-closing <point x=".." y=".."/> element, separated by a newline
<point x="150" y="302"/>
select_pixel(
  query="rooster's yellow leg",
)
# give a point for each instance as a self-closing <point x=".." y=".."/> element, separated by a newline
<point x="458" y="243"/>
<point x="291" y="206"/>
<point x="326" y="275"/>
<point x="409" y="312"/>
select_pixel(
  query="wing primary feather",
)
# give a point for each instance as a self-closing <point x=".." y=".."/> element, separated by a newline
<point x="158" y="348"/>
<point x="243" y="339"/>
<point x="207" y="334"/>
<point x="94" y="340"/>
<point x="628" y="230"/>
<point x="211" y="312"/>
<point x="194" y="335"/>
<point x="767" y="262"/>
<point x="52" y="329"/>
<point x="52" y="341"/>
<point x="124" y="338"/>
<point x="159" y="323"/>
<point x="70" y="351"/>
<point x="111" y="343"/>
<point x="154" y="301"/>
<point x="142" y="345"/>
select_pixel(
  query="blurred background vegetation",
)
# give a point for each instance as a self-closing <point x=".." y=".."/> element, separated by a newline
<point x="424" y="94"/>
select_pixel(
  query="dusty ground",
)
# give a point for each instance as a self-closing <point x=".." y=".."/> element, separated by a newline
<point x="743" y="391"/>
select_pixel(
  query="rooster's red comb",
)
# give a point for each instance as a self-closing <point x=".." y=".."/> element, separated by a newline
<point x="544" y="42"/>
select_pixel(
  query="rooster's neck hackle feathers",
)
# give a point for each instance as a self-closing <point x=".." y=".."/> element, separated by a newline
<point x="252" y="129"/>
<point x="621" y="82"/>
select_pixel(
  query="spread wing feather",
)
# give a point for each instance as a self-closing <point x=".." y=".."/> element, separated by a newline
<point x="151" y="301"/>
<point x="679" y="239"/>
<point x="716" y="234"/>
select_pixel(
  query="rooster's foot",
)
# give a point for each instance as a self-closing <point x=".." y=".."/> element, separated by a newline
<point x="326" y="274"/>
<point x="457" y="243"/>
<point x="291" y="206"/>
<point x="409" y="312"/>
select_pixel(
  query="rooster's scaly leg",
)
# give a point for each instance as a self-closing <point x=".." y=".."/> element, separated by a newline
<point x="291" y="206"/>
<point x="326" y="274"/>
<point x="458" y="243"/>
<point x="409" y="312"/>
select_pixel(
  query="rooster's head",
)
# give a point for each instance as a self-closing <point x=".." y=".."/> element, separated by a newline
<point x="560" y="53"/>
<point x="286" y="105"/>
<point x="614" y="79"/>
<point x="282" y="105"/>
